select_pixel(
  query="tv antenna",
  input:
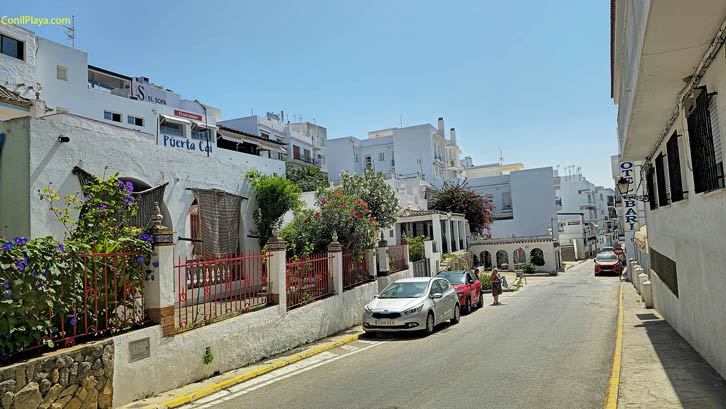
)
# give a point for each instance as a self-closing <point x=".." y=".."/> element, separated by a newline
<point x="501" y="158"/>
<point x="71" y="31"/>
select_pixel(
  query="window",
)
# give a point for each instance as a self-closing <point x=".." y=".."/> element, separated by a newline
<point x="61" y="72"/>
<point x="506" y="200"/>
<point x="12" y="47"/>
<point x="660" y="176"/>
<point x="381" y="157"/>
<point x="201" y="134"/>
<point x="369" y="161"/>
<point x="264" y="135"/>
<point x="306" y="155"/>
<point x="133" y="120"/>
<point x="172" y="128"/>
<point x="716" y="133"/>
<point x="295" y="152"/>
<point x="707" y="171"/>
<point x="674" y="169"/>
<point x="650" y="185"/>
<point x="111" y="116"/>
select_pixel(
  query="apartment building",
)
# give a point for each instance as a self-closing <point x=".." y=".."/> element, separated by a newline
<point x="668" y="76"/>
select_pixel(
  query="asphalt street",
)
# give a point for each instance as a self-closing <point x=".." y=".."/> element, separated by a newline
<point x="548" y="346"/>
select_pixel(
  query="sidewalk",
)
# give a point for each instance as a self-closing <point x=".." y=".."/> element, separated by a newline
<point x="659" y="368"/>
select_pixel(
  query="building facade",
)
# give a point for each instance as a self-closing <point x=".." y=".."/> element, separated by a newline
<point x="305" y="142"/>
<point x="63" y="122"/>
<point x="413" y="151"/>
<point x="525" y="212"/>
<point x="669" y="86"/>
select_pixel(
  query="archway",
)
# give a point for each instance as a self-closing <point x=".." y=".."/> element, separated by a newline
<point x="536" y="257"/>
<point x="486" y="259"/>
<point x="518" y="257"/>
<point x="502" y="259"/>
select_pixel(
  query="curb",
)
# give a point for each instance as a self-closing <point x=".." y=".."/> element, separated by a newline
<point x="611" y="396"/>
<point x="181" y="400"/>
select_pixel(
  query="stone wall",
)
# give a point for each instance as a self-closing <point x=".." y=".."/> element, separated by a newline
<point x="76" y="378"/>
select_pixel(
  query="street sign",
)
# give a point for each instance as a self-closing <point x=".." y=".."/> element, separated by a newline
<point x="618" y="251"/>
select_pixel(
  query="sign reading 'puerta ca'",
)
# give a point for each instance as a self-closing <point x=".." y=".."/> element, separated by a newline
<point x="196" y="145"/>
<point x="631" y="205"/>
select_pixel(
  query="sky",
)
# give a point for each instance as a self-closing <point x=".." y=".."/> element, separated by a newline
<point x="528" y="78"/>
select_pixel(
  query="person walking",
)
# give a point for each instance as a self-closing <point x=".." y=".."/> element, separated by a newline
<point x="496" y="280"/>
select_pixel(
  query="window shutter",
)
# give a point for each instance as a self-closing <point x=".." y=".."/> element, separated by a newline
<point x="717" y="142"/>
<point x="674" y="169"/>
<point x="661" y="181"/>
<point x="700" y="137"/>
<point x="652" y="199"/>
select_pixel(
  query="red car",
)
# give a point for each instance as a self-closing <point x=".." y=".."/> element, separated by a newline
<point x="608" y="263"/>
<point x="467" y="287"/>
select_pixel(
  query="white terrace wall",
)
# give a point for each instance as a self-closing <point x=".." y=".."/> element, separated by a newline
<point x="33" y="158"/>
<point x="235" y="342"/>
<point x="549" y="251"/>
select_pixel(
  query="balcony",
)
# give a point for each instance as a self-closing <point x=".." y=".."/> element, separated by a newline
<point x="304" y="158"/>
<point x="651" y="59"/>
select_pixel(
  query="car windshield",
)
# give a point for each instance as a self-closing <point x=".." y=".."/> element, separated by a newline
<point x="405" y="290"/>
<point x="604" y="249"/>
<point x="454" y="278"/>
<point x="607" y="257"/>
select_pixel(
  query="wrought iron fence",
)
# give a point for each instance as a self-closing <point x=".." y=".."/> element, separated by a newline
<point x="355" y="269"/>
<point x="214" y="288"/>
<point x="308" y="279"/>
<point x="398" y="258"/>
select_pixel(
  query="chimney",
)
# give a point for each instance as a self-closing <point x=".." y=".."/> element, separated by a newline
<point x="452" y="135"/>
<point x="441" y="127"/>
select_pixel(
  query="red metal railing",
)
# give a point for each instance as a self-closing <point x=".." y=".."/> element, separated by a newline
<point x="397" y="258"/>
<point x="218" y="287"/>
<point x="355" y="270"/>
<point x="308" y="279"/>
<point x="104" y="293"/>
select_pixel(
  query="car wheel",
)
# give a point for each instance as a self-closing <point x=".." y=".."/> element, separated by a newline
<point x="480" y="303"/>
<point x="457" y="314"/>
<point x="429" y="324"/>
<point x="467" y="308"/>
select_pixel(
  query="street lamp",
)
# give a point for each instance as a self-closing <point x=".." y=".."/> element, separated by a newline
<point x="623" y="188"/>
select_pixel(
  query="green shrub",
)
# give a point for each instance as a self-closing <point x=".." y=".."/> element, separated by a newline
<point x="275" y="195"/>
<point x="528" y="268"/>
<point x="486" y="283"/>
<point x="416" y="248"/>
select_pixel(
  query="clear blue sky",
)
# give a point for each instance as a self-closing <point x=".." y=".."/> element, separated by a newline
<point x="528" y="77"/>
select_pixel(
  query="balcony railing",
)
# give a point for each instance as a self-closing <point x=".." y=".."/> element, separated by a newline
<point x="303" y="158"/>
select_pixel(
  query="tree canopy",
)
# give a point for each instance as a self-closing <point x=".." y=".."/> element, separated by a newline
<point x="371" y="187"/>
<point x="459" y="198"/>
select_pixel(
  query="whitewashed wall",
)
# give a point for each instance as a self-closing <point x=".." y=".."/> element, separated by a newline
<point x="13" y="71"/>
<point x="235" y="342"/>
<point x="33" y="158"/>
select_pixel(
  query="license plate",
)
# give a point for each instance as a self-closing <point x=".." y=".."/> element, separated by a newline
<point x="385" y="322"/>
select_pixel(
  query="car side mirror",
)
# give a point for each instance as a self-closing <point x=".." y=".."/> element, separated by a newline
<point x="436" y="296"/>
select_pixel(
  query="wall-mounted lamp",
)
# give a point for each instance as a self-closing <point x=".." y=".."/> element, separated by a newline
<point x="63" y="139"/>
<point x="624" y="186"/>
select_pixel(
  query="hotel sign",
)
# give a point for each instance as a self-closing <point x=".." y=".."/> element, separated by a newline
<point x="143" y="91"/>
<point x="630" y="215"/>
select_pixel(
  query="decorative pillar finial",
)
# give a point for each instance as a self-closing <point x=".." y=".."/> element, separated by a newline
<point x="335" y="236"/>
<point x="156" y="216"/>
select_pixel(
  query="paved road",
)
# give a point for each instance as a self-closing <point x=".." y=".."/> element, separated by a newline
<point x="548" y="346"/>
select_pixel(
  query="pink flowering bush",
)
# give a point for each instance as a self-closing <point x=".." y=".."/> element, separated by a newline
<point x="312" y="230"/>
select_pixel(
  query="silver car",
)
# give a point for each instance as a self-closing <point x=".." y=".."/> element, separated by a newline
<point x="412" y="304"/>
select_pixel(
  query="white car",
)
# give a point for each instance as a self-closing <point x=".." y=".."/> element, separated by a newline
<point x="412" y="304"/>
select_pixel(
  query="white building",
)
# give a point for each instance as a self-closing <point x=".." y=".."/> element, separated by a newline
<point x="403" y="152"/>
<point x="670" y="87"/>
<point x="97" y="123"/>
<point x="578" y="217"/>
<point x="525" y="211"/>
<point x="305" y="142"/>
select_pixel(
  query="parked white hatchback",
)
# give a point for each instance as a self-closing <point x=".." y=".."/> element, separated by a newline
<point x="412" y="304"/>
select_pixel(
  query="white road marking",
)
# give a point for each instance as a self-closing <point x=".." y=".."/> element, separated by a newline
<point x="275" y="376"/>
<point x="349" y="347"/>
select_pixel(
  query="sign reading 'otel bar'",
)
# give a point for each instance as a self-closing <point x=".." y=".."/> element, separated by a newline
<point x="631" y="206"/>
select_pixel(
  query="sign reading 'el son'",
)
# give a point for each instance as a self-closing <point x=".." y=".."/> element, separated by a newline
<point x="144" y="91"/>
<point x="631" y="205"/>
